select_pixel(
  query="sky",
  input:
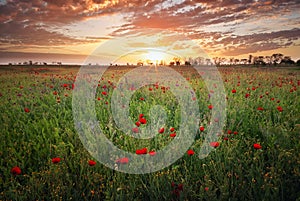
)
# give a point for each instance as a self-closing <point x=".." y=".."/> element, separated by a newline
<point x="100" y="31"/>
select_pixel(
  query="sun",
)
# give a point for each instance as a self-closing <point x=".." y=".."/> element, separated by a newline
<point x="146" y="56"/>
<point x="155" y="56"/>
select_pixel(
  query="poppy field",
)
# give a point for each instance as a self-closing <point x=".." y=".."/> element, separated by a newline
<point x="255" y="157"/>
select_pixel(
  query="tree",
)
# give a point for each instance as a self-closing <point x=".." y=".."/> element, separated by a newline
<point x="177" y="60"/>
<point x="187" y="63"/>
<point x="250" y="59"/>
<point x="191" y="60"/>
<point x="149" y="62"/>
<point x="216" y="61"/>
<point x="268" y="60"/>
<point x="236" y="61"/>
<point x="208" y="62"/>
<point x="162" y="63"/>
<point x="244" y="61"/>
<point x="140" y="63"/>
<point x="259" y="60"/>
<point x="276" y="58"/>
<point x="287" y="60"/>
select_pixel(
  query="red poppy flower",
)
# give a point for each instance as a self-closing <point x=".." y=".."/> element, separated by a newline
<point x="173" y="184"/>
<point x="141" y="116"/>
<point x="55" y="160"/>
<point x="176" y="192"/>
<point x="201" y="128"/>
<point x="152" y="153"/>
<point x="142" y="99"/>
<point x="135" y="130"/>
<point x="177" y="188"/>
<point x="215" y="144"/>
<point x="16" y="170"/>
<point x="180" y="187"/>
<point x="141" y="151"/>
<point x="122" y="160"/>
<point x="190" y="152"/>
<point x="161" y="130"/>
<point x="229" y="132"/>
<point x="235" y="132"/>
<point x="143" y="120"/>
<point x="225" y="138"/>
<point x="247" y="95"/>
<point x="65" y="85"/>
<point x="172" y="129"/>
<point x="206" y="188"/>
<point x="260" y="108"/>
<point x="26" y="110"/>
<point x="137" y="123"/>
<point x="279" y="108"/>
<point x="233" y="91"/>
<point x="257" y="146"/>
<point x="92" y="163"/>
<point x="55" y="93"/>
<point x="210" y="107"/>
<point x="173" y="135"/>
<point x="104" y="93"/>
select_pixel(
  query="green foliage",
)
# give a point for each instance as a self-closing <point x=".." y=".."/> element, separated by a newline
<point x="233" y="171"/>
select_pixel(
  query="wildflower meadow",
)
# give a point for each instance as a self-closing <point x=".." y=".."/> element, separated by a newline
<point x="256" y="156"/>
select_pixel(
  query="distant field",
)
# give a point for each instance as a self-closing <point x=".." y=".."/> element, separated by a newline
<point x="256" y="157"/>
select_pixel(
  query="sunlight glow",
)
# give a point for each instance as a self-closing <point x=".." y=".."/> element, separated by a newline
<point x="155" y="56"/>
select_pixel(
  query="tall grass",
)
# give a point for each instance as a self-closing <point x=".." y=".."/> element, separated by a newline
<point x="235" y="170"/>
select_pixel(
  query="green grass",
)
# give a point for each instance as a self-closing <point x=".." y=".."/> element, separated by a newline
<point x="233" y="171"/>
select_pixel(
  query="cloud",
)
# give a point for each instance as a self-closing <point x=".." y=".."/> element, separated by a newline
<point x="216" y="25"/>
<point x="236" y="45"/>
<point x="16" y="33"/>
<point x="10" y="57"/>
<point x="97" y="38"/>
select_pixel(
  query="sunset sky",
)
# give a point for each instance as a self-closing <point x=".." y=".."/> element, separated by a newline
<point x="71" y="30"/>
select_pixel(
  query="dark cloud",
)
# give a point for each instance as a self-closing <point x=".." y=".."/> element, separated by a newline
<point x="293" y="34"/>
<point x="33" y="22"/>
<point x="236" y="45"/>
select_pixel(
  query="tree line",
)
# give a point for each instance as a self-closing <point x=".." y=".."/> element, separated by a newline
<point x="274" y="59"/>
